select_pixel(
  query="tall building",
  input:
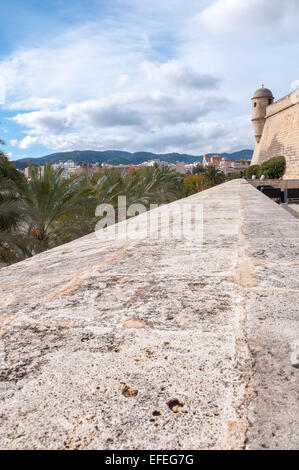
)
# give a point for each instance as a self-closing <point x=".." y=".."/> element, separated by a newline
<point x="215" y="160"/>
<point x="206" y="160"/>
<point x="180" y="167"/>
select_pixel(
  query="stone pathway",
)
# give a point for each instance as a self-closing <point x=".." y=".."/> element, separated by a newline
<point x="157" y="343"/>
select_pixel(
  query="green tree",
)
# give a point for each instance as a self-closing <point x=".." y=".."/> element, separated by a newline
<point x="273" y="168"/>
<point x="9" y="208"/>
<point x="234" y="176"/>
<point x="149" y="185"/>
<point x="50" y="201"/>
<point x="252" y="170"/>
<point x="38" y="213"/>
<point x="196" y="183"/>
<point x="47" y="209"/>
<point x="198" y="169"/>
<point x="13" y="246"/>
<point x="214" y="175"/>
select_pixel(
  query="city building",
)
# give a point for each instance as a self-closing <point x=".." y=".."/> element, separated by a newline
<point x="180" y="167"/>
<point x="215" y="160"/>
<point x="206" y="160"/>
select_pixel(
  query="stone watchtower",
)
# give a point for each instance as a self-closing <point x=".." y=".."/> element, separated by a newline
<point x="261" y="99"/>
<point x="276" y="129"/>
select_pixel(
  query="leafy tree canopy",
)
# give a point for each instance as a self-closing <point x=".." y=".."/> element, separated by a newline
<point x="273" y="168"/>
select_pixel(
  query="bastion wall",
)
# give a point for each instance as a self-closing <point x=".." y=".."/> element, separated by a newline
<point x="281" y="135"/>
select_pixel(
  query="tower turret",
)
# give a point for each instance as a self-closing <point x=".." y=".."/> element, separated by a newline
<point x="261" y="99"/>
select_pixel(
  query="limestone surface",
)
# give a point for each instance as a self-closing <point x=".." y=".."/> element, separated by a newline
<point x="280" y="134"/>
<point x="157" y="343"/>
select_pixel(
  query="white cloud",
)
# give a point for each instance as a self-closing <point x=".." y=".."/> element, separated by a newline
<point x="149" y="78"/>
<point x="102" y="82"/>
<point x="125" y="120"/>
<point x="236" y="16"/>
<point x="28" y="142"/>
<point x="158" y="106"/>
<point x="34" y="103"/>
<point x="177" y="75"/>
<point x="123" y="79"/>
<point x="192" y="137"/>
<point x="73" y="66"/>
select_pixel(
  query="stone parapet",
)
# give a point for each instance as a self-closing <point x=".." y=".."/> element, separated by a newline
<point x="156" y="343"/>
<point x="282" y="184"/>
<point x="280" y="135"/>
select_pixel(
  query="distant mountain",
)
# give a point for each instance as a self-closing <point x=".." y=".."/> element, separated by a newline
<point x="117" y="157"/>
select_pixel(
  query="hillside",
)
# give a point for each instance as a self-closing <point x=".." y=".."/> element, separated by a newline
<point x="117" y="157"/>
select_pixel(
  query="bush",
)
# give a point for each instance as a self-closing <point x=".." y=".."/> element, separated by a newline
<point x="198" y="169"/>
<point x="234" y="176"/>
<point x="252" y="170"/>
<point x="273" y="168"/>
<point x="196" y="183"/>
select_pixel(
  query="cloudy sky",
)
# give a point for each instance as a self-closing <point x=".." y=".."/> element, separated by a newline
<point x="153" y="75"/>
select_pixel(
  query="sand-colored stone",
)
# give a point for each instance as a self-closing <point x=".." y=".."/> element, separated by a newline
<point x="211" y="368"/>
<point x="134" y="323"/>
<point x="279" y="133"/>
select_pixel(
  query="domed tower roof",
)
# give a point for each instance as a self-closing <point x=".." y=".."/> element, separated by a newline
<point x="263" y="93"/>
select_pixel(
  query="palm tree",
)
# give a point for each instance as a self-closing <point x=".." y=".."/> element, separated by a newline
<point x="146" y="186"/>
<point x="9" y="210"/>
<point x="52" y="201"/>
<point x="47" y="210"/>
<point x="40" y="213"/>
<point x="12" y="244"/>
<point x="198" y="169"/>
<point x="214" y="175"/>
<point x="168" y="184"/>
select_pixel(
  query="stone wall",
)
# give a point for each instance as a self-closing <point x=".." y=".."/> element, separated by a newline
<point x="281" y="136"/>
<point x="157" y="343"/>
<point x="285" y="184"/>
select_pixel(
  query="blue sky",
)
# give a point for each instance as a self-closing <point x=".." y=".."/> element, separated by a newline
<point x="162" y="76"/>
